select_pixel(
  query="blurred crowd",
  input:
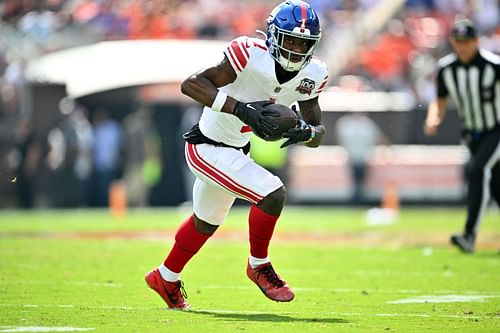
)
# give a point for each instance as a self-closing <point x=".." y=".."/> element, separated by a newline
<point x="47" y="21"/>
<point x="43" y="20"/>
<point x="400" y="56"/>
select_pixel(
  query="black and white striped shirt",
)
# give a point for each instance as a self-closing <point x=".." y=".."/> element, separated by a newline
<point x="474" y="88"/>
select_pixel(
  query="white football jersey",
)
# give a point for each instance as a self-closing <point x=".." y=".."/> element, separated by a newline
<point x="256" y="81"/>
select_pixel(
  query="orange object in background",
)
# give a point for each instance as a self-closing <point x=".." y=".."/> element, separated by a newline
<point x="390" y="199"/>
<point x="117" y="199"/>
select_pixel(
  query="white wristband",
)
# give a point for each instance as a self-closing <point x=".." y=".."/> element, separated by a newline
<point x="219" y="101"/>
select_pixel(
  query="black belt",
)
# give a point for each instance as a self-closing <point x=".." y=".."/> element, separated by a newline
<point x="195" y="137"/>
<point x="475" y="135"/>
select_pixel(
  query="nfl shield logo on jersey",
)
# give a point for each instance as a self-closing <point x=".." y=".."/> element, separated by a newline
<point x="306" y="86"/>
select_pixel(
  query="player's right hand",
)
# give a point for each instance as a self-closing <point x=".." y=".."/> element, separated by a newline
<point x="257" y="117"/>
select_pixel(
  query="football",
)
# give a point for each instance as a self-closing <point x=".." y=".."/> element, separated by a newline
<point x="287" y="119"/>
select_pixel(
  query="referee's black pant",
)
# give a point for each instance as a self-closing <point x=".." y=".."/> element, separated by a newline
<point x="483" y="175"/>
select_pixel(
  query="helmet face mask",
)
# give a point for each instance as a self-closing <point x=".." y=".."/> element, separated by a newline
<point x="293" y="34"/>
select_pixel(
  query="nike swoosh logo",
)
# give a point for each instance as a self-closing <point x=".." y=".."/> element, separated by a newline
<point x="250" y="106"/>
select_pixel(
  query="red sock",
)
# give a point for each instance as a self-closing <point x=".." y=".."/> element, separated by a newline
<point x="188" y="241"/>
<point x="261" y="225"/>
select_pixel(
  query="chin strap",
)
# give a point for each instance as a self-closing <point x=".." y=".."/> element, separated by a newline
<point x="288" y="68"/>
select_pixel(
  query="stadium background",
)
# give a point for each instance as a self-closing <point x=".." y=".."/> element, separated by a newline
<point x="381" y="55"/>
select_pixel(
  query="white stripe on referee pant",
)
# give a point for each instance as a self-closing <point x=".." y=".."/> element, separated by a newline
<point x="495" y="157"/>
<point x="497" y="100"/>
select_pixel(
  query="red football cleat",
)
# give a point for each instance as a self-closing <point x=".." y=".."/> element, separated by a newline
<point x="172" y="293"/>
<point x="270" y="283"/>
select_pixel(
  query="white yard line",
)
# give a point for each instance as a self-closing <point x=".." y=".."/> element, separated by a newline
<point x="305" y="289"/>
<point x="358" y="290"/>
<point x="42" y="329"/>
<point x="443" y="299"/>
<point x="80" y="307"/>
<point x="72" y="283"/>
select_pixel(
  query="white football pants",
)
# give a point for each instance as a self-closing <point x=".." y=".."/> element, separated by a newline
<point x="222" y="175"/>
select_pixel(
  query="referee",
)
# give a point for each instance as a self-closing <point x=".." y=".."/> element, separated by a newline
<point x="471" y="77"/>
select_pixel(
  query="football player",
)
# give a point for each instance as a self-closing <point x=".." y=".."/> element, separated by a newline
<point x="235" y="93"/>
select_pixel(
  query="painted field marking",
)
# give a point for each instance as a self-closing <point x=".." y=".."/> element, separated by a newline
<point x="308" y="289"/>
<point x="358" y="290"/>
<point x="80" y="307"/>
<point x="42" y="329"/>
<point x="443" y="299"/>
<point x="238" y="312"/>
<point x="75" y="283"/>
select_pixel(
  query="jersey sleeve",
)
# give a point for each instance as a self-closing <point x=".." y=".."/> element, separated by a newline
<point x="319" y="83"/>
<point x="442" y="91"/>
<point x="322" y="85"/>
<point x="237" y="53"/>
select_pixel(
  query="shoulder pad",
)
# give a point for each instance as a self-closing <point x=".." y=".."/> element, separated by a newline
<point x="238" y="51"/>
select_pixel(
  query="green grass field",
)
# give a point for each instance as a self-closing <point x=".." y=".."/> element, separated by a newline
<point x="69" y="270"/>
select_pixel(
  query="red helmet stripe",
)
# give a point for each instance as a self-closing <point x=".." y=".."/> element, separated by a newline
<point x="303" y="14"/>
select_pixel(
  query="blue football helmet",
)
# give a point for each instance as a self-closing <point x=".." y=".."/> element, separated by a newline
<point x="297" y="19"/>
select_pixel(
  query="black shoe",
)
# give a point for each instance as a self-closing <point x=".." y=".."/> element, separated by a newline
<point x="464" y="242"/>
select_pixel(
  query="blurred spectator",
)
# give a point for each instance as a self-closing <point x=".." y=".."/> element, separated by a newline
<point x="84" y="11"/>
<point x="39" y="23"/>
<point x="142" y="156"/>
<point x="387" y="59"/>
<point x="108" y="148"/>
<point x="420" y="4"/>
<point x="189" y="119"/>
<point x="359" y="135"/>
<point x="28" y="162"/>
<point x="491" y="40"/>
<point x="13" y="89"/>
<point x="108" y="23"/>
<point x="486" y="14"/>
<point x="70" y="155"/>
<point x="9" y="100"/>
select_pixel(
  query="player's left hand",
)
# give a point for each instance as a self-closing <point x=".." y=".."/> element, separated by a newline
<point x="301" y="133"/>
